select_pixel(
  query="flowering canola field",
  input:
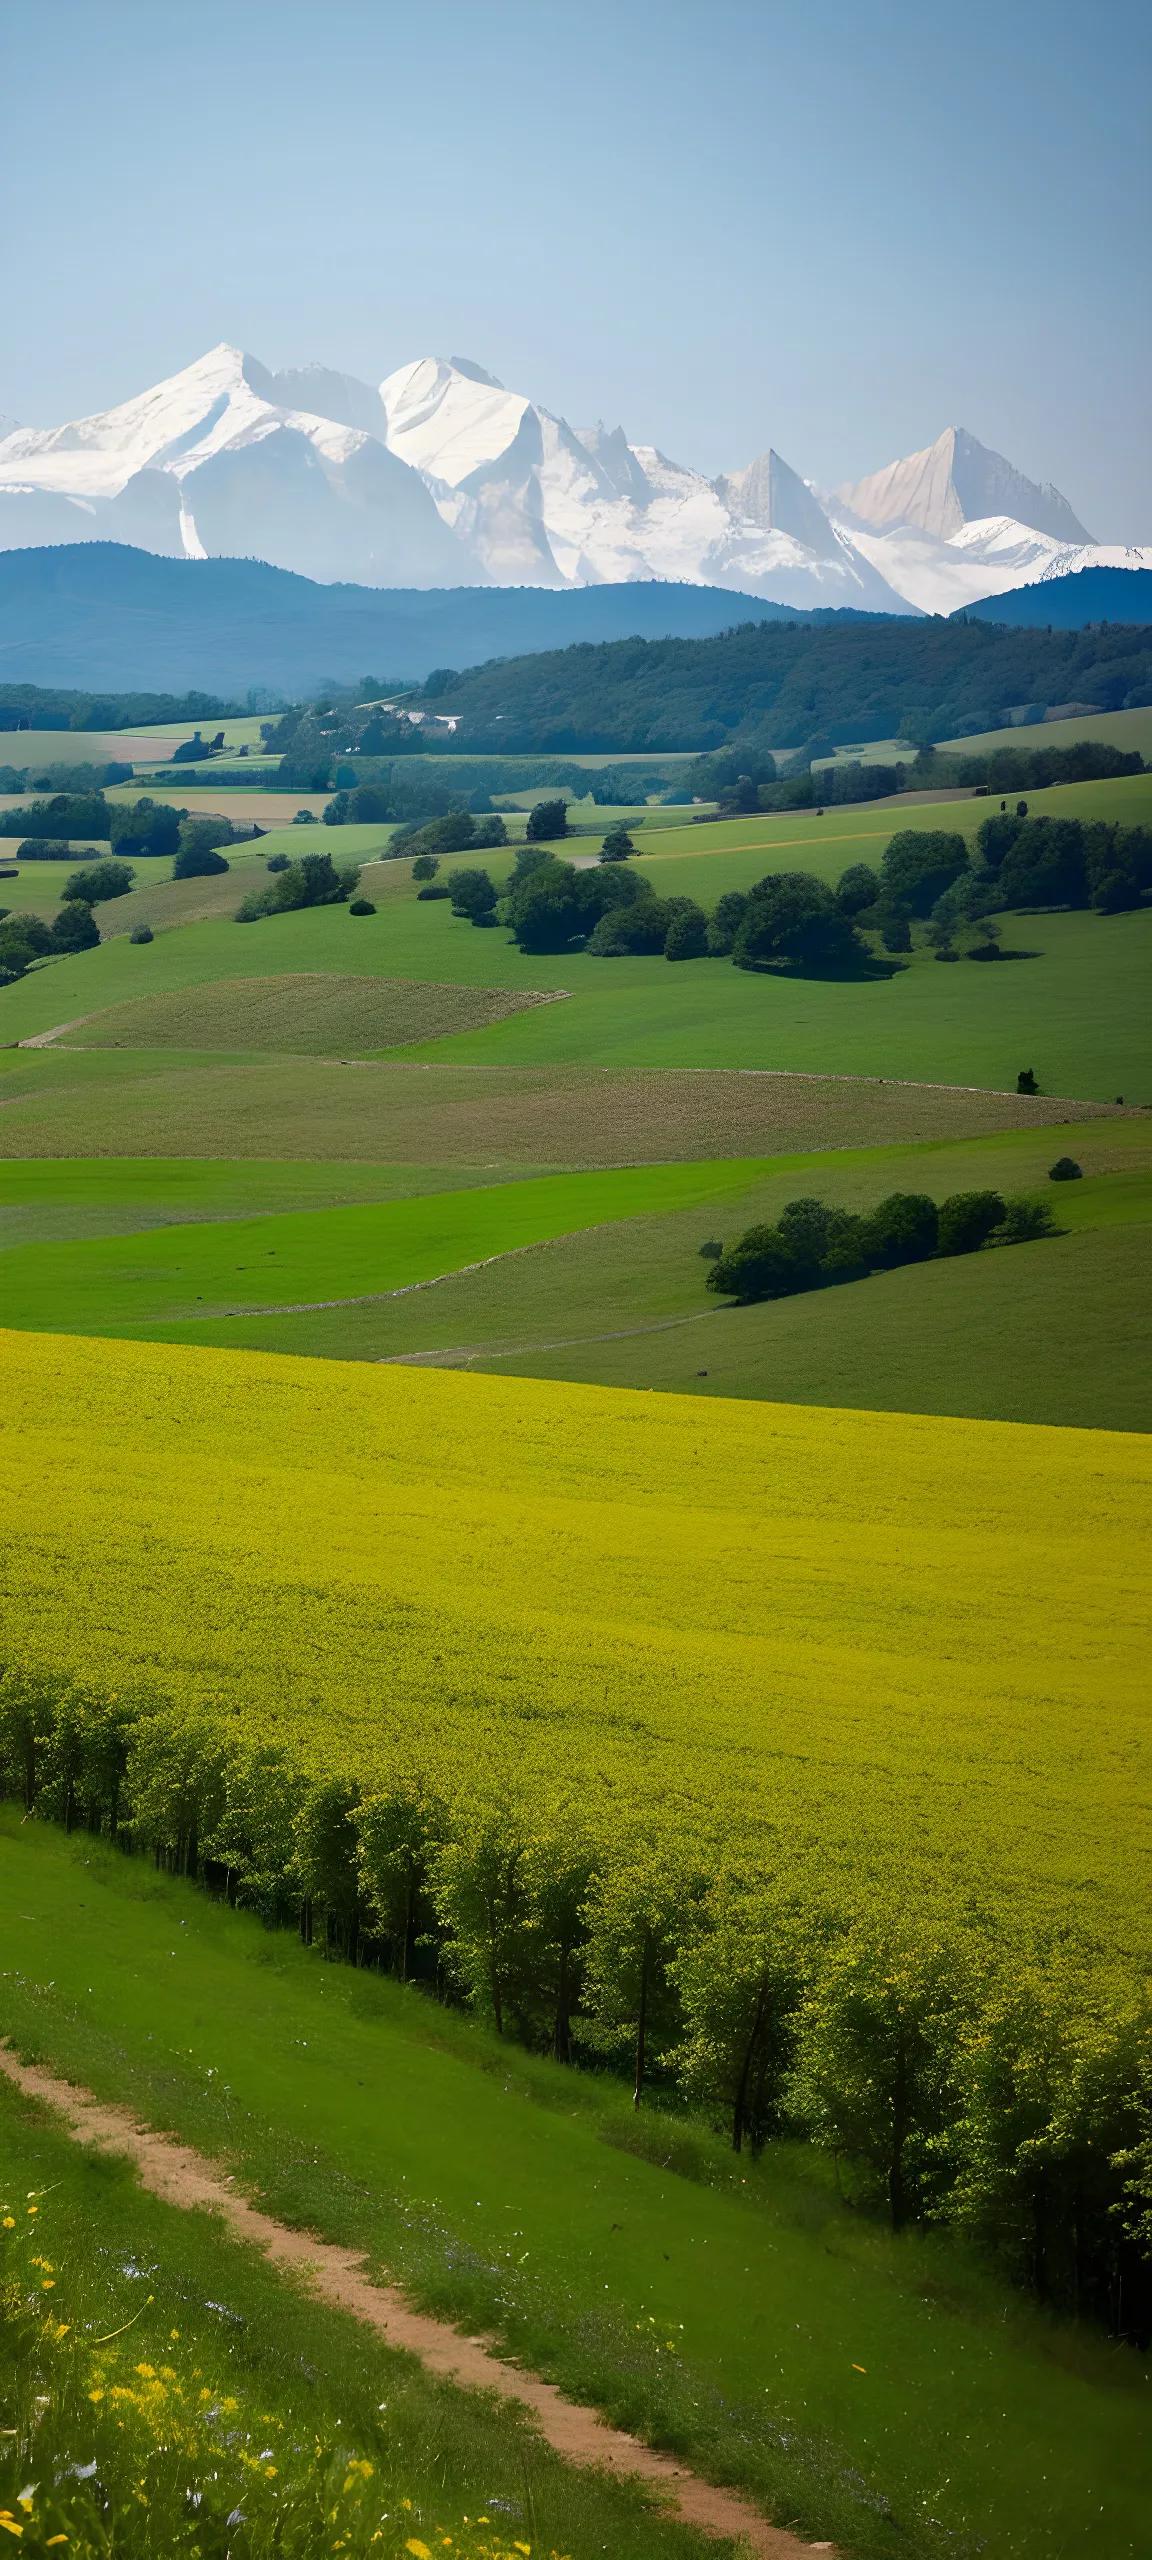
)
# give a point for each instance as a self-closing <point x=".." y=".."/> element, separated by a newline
<point x="910" y="1648"/>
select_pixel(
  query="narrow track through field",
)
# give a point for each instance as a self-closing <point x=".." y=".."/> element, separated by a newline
<point x="181" y="2176"/>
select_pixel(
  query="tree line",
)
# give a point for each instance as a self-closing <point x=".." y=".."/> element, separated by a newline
<point x="813" y="1246"/>
<point x="962" y="2065"/>
<point x="792" y="920"/>
<point x="754" y="783"/>
<point x="35" y="706"/>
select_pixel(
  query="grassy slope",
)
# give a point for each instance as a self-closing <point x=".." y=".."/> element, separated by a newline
<point x="197" y="2299"/>
<point x="141" y="1284"/>
<point x="1060" y="1336"/>
<point x="44" y="1202"/>
<point x="1126" y="729"/>
<point x="972" y="2425"/>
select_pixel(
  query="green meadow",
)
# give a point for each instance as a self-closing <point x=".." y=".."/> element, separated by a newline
<point x="884" y="2396"/>
<point x="193" y="1272"/>
<point x="598" y="1277"/>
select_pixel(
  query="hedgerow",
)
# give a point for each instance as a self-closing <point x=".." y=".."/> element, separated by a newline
<point x="966" y="2068"/>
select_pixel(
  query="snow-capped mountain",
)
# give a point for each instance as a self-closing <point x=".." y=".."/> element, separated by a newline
<point x="538" y="502"/>
<point x="441" y="477"/>
<point x="219" y="461"/>
<point x="956" y="482"/>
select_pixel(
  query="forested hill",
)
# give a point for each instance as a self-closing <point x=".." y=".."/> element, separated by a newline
<point x="795" y="684"/>
<point x="101" y="615"/>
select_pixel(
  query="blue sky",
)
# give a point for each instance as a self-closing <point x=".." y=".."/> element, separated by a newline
<point x="833" y="227"/>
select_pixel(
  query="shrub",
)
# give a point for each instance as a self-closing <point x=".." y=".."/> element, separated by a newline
<point x="311" y="881"/>
<point x="635" y="931"/>
<point x="100" y="880"/>
<point x="763" y="1264"/>
<point x="896" y="933"/>
<point x="967" y="1219"/>
<point x="726" y="920"/>
<point x="1026" y="1081"/>
<point x="425" y="866"/>
<point x="687" y="935"/>
<point x="919" y="865"/>
<point x="361" y="907"/>
<point x="617" y="845"/>
<point x="547" y="822"/>
<point x="793" y="917"/>
<point x="473" y="894"/>
<point x="711" y="1249"/>
<point x="902" y="1229"/>
<point x="279" y="861"/>
<point x="141" y="933"/>
<point x="1065" y="1169"/>
<point x="435" y="889"/>
<point x="1025" y="1222"/>
<point x="45" y="849"/>
<point x="148" y="826"/>
<point x="198" y="856"/>
<point x="857" y="888"/>
<point x="75" y="927"/>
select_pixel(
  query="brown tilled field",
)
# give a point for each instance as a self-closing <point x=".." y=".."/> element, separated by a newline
<point x="310" y="1014"/>
<point x="57" y="1103"/>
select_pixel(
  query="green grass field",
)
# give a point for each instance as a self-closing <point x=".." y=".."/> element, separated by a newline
<point x="598" y="1277"/>
<point x="192" y="1273"/>
<point x="886" y="2397"/>
<point x="1075" y="1010"/>
<point x="38" y="748"/>
<point x="1124" y="729"/>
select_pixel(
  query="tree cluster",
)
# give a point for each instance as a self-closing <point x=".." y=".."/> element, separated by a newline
<point x="457" y="832"/>
<point x="813" y="1246"/>
<point x="311" y="881"/>
<point x="1065" y="862"/>
<point x="958" y="2067"/>
<point x="65" y="815"/>
<point x="24" y="939"/>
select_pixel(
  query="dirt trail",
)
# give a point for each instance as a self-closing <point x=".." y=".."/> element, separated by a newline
<point x="180" y="2176"/>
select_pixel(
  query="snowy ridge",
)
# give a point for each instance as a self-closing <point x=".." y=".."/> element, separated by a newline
<point x="439" y="476"/>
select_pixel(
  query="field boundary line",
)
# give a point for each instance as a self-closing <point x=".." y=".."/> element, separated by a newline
<point x="180" y="2176"/>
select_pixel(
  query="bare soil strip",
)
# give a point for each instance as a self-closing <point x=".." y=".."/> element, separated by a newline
<point x="180" y="2176"/>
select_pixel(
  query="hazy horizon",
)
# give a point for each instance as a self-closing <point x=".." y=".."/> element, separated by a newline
<point x="834" y="236"/>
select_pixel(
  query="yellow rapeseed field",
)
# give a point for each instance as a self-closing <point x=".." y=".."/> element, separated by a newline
<point x="889" y="1639"/>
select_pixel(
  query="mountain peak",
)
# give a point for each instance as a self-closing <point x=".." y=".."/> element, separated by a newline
<point x="771" y="494"/>
<point x="954" y="482"/>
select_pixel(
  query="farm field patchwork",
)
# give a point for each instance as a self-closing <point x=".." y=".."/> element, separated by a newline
<point x="858" y="2390"/>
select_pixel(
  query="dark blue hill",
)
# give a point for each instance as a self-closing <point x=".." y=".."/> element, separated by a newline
<point x="1071" y="603"/>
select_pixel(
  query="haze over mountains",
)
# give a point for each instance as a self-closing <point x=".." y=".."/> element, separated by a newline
<point x="440" y="477"/>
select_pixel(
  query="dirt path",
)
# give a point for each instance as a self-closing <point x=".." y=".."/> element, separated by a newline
<point x="183" y="2177"/>
<point x="44" y="1039"/>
